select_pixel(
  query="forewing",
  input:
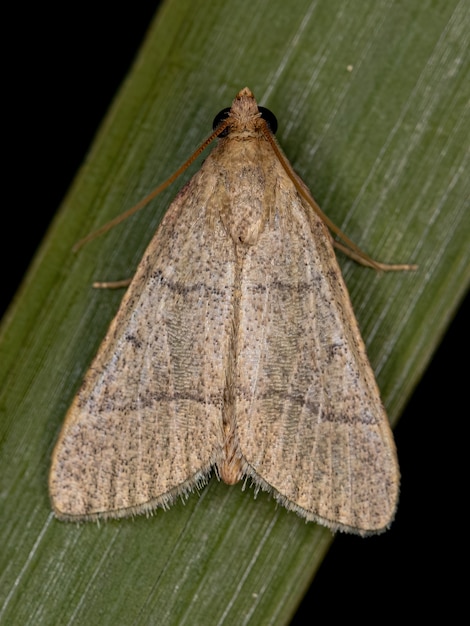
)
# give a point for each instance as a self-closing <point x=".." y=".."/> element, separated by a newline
<point x="146" y="424"/>
<point x="310" y="422"/>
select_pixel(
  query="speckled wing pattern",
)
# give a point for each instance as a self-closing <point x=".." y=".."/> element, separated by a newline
<point x="146" y="424"/>
<point x="310" y="422"/>
<point x="235" y="347"/>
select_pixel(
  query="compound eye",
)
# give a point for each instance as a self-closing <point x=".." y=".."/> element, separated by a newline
<point x="270" y="119"/>
<point x="219" y="118"/>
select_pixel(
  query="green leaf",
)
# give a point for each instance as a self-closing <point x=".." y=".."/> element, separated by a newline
<point x="372" y="104"/>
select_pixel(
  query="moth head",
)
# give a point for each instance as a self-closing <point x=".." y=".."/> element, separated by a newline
<point x="228" y="113"/>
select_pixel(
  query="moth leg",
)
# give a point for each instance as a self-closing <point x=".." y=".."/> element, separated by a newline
<point x="365" y="260"/>
<point x="113" y="284"/>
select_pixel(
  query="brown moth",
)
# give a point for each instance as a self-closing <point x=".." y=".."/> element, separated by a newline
<point x="235" y="348"/>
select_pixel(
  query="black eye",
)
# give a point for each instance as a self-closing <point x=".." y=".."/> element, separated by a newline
<point x="219" y="118"/>
<point x="269" y="118"/>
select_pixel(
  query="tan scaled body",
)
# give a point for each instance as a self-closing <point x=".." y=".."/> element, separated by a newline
<point x="235" y="347"/>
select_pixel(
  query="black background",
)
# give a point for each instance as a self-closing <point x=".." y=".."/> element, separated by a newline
<point x="55" y="99"/>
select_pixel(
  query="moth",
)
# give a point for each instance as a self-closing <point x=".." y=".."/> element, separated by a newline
<point x="235" y="348"/>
